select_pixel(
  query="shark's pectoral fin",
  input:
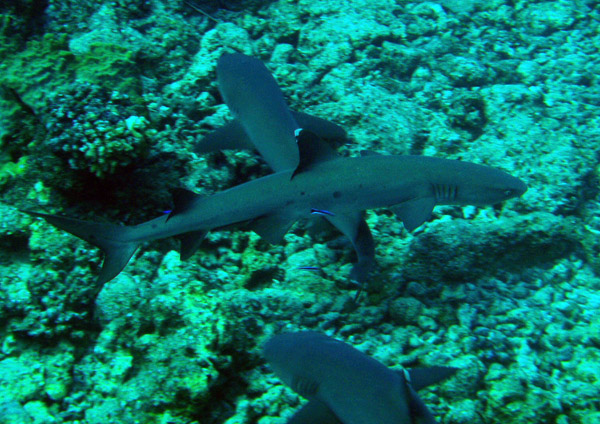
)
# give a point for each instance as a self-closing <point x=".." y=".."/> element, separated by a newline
<point x="230" y="136"/>
<point x="314" y="412"/>
<point x="415" y="212"/>
<point x="423" y="377"/>
<point x="419" y="412"/>
<point x="356" y="229"/>
<point x="190" y="242"/>
<point x="312" y="150"/>
<point x="418" y="378"/>
<point x="365" y="250"/>
<point x="271" y="227"/>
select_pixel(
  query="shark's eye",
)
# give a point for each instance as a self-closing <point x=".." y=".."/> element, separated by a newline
<point x="509" y="192"/>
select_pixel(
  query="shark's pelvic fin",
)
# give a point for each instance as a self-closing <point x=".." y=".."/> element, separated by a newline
<point x="271" y="227"/>
<point x="112" y="239"/>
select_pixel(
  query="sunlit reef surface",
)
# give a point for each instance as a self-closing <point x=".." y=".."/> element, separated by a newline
<point x="101" y="105"/>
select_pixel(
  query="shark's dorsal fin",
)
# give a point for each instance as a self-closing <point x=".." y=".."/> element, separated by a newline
<point x="312" y="150"/>
<point x="182" y="201"/>
<point x="414" y="212"/>
<point x="325" y="129"/>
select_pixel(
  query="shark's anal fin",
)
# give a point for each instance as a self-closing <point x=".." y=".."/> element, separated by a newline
<point x="415" y="212"/>
<point x="311" y="150"/>
<point x="190" y="242"/>
<point x="314" y="412"/>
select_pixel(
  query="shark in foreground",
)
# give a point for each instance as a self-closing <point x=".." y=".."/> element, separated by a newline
<point x="319" y="182"/>
<point x="345" y="386"/>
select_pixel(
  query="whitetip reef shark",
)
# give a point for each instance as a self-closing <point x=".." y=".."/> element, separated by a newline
<point x="309" y="179"/>
<point x="345" y="386"/>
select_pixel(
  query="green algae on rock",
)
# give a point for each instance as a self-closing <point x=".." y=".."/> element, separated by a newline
<point x="95" y="130"/>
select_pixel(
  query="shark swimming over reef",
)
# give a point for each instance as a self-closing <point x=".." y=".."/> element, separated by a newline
<point x="345" y="386"/>
<point x="309" y="179"/>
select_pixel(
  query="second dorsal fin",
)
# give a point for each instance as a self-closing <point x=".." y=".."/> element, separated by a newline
<point x="182" y="201"/>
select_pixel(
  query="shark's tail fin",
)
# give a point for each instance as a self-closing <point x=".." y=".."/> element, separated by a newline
<point x="108" y="237"/>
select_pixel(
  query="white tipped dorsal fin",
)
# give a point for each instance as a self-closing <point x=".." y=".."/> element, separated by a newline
<point x="311" y="149"/>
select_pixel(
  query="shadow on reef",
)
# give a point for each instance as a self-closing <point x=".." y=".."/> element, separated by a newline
<point x="213" y="6"/>
<point x="23" y="18"/>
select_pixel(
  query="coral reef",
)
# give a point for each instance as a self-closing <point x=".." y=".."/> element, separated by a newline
<point x="96" y="130"/>
<point x="100" y="106"/>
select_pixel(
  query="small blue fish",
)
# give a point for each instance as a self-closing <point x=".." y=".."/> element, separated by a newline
<point x="310" y="268"/>
<point x="321" y="212"/>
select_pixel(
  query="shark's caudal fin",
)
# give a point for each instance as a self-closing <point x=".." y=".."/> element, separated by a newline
<point x="108" y="237"/>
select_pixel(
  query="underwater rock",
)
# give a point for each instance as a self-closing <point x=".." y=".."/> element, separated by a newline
<point x="12" y="412"/>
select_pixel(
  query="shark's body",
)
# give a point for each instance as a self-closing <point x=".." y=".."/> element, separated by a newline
<point x="345" y="386"/>
<point x="340" y="188"/>
<point x="311" y="180"/>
